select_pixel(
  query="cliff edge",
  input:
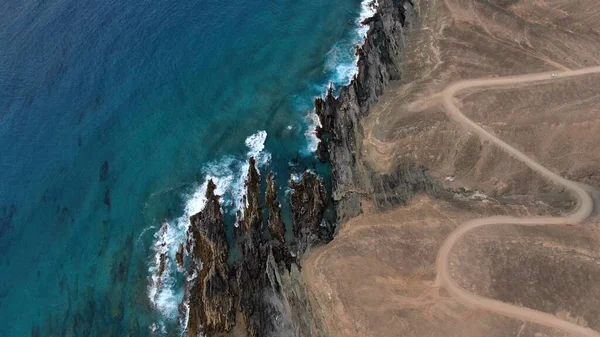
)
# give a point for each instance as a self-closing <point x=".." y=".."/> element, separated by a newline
<point x="379" y="63"/>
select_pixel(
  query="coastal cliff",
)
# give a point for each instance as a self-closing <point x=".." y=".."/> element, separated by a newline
<point x="209" y="296"/>
<point x="379" y="61"/>
<point x="261" y="293"/>
<point x="308" y="201"/>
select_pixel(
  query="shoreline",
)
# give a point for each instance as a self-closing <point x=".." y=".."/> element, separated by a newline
<point x="379" y="62"/>
<point x="262" y="292"/>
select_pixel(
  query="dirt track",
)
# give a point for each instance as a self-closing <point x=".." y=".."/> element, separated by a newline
<point x="583" y="211"/>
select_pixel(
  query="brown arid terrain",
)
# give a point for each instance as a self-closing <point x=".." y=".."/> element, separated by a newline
<point x="500" y="99"/>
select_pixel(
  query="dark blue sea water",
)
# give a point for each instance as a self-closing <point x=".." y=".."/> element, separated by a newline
<point x="112" y="116"/>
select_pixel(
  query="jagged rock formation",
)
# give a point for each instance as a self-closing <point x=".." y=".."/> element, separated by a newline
<point x="250" y="274"/>
<point x="252" y="214"/>
<point x="308" y="201"/>
<point x="279" y="249"/>
<point x="209" y="296"/>
<point x="262" y="292"/>
<point x="179" y="256"/>
<point x="276" y="227"/>
<point x="379" y="62"/>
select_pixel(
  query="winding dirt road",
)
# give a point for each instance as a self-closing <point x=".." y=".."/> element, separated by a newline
<point x="583" y="211"/>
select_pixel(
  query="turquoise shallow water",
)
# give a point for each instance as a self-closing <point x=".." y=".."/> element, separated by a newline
<point x="113" y="114"/>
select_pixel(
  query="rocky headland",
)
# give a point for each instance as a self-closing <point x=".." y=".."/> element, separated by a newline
<point x="261" y="292"/>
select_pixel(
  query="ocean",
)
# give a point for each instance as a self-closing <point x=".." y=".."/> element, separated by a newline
<point x="113" y="115"/>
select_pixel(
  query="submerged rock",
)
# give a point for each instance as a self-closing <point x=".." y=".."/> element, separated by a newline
<point x="107" y="197"/>
<point x="209" y="297"/>
<point x="179" y="256"/>
<point x="162" y="259"/>
<point x="7" y="215"/>
<point x="103" y="171"/>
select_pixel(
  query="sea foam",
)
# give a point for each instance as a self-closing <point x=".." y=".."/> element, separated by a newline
<point x="229" y="175"/>
<point x="311" y="133"/>
<point x="341" y="58"/>
<point x="342" y="65"/>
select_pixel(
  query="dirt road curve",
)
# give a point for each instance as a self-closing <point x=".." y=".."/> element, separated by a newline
<point x="583" y="210"/>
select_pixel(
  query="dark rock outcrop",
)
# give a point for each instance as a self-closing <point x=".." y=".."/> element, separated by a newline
<point x="250" y="272"/>
<point x="252" y="213"/>
<point x="262" y="292"/>
<point x="279" y="250"/>
<point x="179" y="256"/>
<point x="209" y="296"/>
<point x="308" y="201"/>
<point x="379" y="62"/>
<point x="272" y="300"/>
<point x="276" y="226"/>
<point x="398" y="187"/>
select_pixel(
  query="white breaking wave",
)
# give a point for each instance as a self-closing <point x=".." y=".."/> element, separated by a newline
<point x="162" y="291"/>
<point x="342" y="56"/>
<point x="256" y="144"/>
<point x="143" y="232"/>
<point x="311" y="133"/>
<point x="295" y="177"/>
<point x="342" y="63"/>
<point x="229" y="175"/>
<point x="367" y="11"/>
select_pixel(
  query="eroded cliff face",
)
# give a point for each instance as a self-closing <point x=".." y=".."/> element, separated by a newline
<point x="379" y="62"/>
<point x="276" y="226"/>
<point x="251" y="278"/>
<point x="308" y="201"/>
<point x="209" y="296"/>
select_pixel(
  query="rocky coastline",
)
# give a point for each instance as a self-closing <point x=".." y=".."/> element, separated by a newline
<point x="261" y="292"/>
<point x="379" y="63"/>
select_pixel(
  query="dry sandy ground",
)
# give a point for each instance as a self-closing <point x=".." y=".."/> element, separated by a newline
<point x="465" y="39"/>
<point x="377" y="278"/>
<point x="556" y="122"/>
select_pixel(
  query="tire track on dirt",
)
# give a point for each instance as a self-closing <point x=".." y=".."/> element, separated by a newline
<point x="583" y="210"/>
